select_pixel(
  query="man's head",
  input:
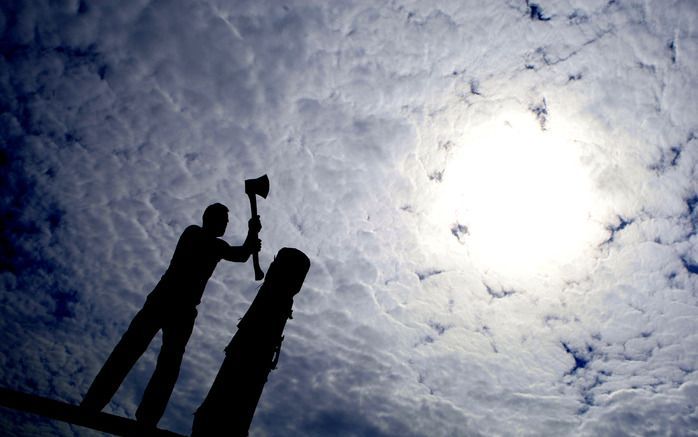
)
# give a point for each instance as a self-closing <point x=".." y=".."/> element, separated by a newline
<point x="215" y="219"/>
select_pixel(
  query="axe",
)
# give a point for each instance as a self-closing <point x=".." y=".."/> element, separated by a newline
<point x="254" y="188"/>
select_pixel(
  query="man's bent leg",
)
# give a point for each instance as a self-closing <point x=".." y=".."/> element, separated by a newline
<point x="175" y="335"/>
<point x="133" y="343"/>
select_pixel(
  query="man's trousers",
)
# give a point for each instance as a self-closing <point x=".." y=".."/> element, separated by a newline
<point x="177" y="325"/>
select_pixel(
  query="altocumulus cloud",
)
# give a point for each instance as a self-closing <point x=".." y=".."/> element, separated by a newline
<point x="122" y="120"/>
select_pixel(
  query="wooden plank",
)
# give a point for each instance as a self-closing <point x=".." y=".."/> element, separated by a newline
<point x="76" y="415"/>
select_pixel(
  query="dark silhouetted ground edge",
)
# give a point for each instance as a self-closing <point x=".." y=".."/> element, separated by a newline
<point x="65" y="412"/>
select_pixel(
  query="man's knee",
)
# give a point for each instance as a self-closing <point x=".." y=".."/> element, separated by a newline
<point x="173" y="350"/>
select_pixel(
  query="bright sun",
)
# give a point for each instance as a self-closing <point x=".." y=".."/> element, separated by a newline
<point x="522" y="193"/>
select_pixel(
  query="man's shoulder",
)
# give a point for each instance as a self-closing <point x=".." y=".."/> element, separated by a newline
<point x="191" y="232"/>
<point x="192" y="228"/>
<point x="197" y="232"/>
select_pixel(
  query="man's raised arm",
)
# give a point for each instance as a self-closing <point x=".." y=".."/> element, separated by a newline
<point x="250" y="246"/>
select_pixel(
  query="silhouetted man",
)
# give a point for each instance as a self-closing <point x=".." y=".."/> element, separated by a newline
<point x="171" y="306"/>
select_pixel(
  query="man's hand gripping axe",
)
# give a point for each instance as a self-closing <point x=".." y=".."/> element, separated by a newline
<point x="254" y="188"/>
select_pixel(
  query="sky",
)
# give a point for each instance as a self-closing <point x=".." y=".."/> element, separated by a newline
<point x="498" y="200"/>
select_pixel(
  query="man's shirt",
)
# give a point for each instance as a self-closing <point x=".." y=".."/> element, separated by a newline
<point x="192" y="264"/>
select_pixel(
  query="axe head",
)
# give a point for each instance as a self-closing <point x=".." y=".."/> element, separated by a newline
<point x="258" y="187"/>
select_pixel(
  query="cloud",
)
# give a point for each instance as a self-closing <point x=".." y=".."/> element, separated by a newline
<point x="121" y="121"/>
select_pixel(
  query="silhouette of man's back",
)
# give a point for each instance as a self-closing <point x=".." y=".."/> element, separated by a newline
<point x="193" y="262"/>
<point x="171" y="306"/>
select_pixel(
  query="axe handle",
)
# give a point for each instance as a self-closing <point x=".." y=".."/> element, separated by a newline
<point x="258" y="273"/>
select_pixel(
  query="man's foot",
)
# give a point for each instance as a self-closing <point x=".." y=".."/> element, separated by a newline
<point x="90" y="405"/>
<point x="147" y="422"/>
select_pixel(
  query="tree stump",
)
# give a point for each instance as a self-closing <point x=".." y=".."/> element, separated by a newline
<point x="253" y="352"/>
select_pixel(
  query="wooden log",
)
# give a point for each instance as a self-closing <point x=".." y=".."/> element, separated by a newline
<point x="76" y="415"/>
<point x="253" y="352"/>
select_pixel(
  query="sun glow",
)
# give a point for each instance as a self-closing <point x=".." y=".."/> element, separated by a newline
<point x="521" y="192"/>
